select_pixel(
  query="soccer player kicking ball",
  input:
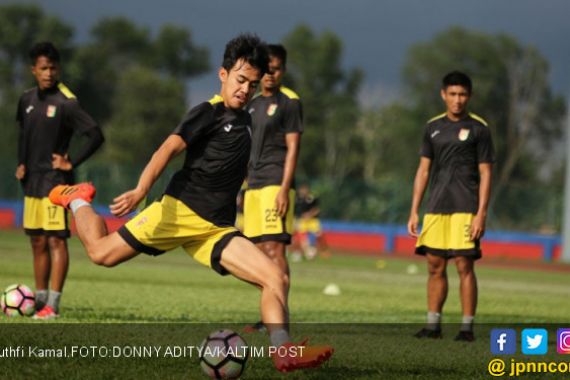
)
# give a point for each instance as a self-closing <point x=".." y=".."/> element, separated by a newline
<point x="198" y="208"/>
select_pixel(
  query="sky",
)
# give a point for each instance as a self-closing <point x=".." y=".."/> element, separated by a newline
<point x="376" y="33"/>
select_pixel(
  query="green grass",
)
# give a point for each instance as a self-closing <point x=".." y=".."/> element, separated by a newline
<point x="369" y="323"/>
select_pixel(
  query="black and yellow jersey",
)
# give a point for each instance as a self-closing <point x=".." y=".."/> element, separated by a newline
<point x="455" y="150"/>
<point x="47" y="120"/>
<point x="218" y="146"/>
<point x="272" y="118"/>
<point x="305" y="204"/>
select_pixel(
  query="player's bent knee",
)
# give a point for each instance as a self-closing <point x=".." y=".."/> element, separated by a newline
<point x="276" y="280"/>
<point x="101" y="257"/>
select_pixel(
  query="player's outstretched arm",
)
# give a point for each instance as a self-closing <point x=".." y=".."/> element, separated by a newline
<point x="128" y="201"/>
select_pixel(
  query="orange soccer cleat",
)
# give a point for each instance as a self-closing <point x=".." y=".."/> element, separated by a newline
<point x="46" y="313"/>
<point x="290" y="356"/>
<point x="62" y="195"/>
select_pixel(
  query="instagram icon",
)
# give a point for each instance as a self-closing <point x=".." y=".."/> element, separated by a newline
<point x="563" y="346"/>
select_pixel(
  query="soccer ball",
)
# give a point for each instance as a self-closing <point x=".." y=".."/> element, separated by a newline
<point x="17" y="300"/>
<point x="223" y="355"/>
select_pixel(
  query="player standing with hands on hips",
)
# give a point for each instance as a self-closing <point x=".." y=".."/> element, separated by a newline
<point x="48" y="115"/>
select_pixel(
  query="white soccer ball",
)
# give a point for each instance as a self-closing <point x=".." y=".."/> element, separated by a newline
<point x="223" y="355"/>
<point x="18" y="300"/>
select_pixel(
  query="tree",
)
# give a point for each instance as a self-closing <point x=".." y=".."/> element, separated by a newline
<point x="329" y="96"/>
<point x="142" y="121"/>
<point x="124" y="77"/>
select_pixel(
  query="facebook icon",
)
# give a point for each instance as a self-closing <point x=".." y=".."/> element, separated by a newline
<point x="503" y="341"/>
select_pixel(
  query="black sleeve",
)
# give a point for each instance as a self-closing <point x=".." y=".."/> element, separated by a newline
<point x="79" y="121"/>
<point x="426" y="149"/>
<point x="76" y="119"/>
<point x="195" y="122"/>
<point x="485" y="149"/>
<point x="21" y="134"/>
<point x="293" y="117"/>
<point x="94" y="140"/>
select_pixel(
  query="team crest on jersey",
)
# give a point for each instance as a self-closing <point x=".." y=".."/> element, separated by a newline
<point x="271" y="109"/>
<point x="463" y="134"/>
<point x="51" y="111"/>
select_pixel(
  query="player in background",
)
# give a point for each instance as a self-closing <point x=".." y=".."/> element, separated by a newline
<point x="270" y="199"/>
<point x="239" y="208"/>
<point x="309" y="238"/>
<point x="198" y="208"/>
<point x="48" y="115"/>
<point x="457" y="154"/>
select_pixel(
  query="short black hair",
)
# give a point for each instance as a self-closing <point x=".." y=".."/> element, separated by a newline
<point x="44" y="49"/>
<point x="248" y="47"/>
<point x="278" y="51"/>
<point x="457" y="78"/>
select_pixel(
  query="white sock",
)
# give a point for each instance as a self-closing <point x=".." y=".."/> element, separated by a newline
<point x="279" y="337"/>
<point x="433" y="320"/>
<point x="77" y="203"/>
<point x="467" y="323"/>
<point x="53" y="300"/>
<point x="41" y="298"/>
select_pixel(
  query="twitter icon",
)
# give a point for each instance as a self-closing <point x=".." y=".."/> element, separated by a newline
<point x="534" y="341"/>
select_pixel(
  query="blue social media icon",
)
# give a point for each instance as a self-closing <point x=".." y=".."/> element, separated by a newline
<point x="534" y="341"/>
<point x="503" y="341"/>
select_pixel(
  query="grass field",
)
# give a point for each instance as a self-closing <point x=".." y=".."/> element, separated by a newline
<point x="370" y="323"/>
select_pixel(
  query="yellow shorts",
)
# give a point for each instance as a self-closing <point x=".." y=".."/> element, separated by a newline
<point x="260" y="215"/>
<point x="169" y="224"/>
<point x="41" y="217"/>
<point x="308" y="225"/>
<point x="447" y="235"/>
<point x="239" y="221"/>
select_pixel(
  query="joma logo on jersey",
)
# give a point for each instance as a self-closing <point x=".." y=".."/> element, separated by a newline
<point x="271" y="109"/>
<point x="51" y="111"/>
<point x="463" y="134"/>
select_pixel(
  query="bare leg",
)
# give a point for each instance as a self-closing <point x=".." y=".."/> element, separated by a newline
<point x="437" y="282"/>
<point x="242" y="259"/>
<point x="467" y="285"/>
<point x="60" y="262"/>
<point x="246" y="262"/>
<point x="42" y="262"/>
<point x="103" y="249"/>
<point x="276" y="252"/>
